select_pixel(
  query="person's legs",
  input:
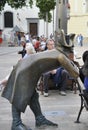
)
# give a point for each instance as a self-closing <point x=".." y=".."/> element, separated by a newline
<point x="63" y="82"/>
<point x="17" y="122"/>
<point x="39" y="117"/>
<point x="34" y="104"/>
<point x="64" y="77"/>
<point x="81" y="44"/>
<point x="45" y="82"/>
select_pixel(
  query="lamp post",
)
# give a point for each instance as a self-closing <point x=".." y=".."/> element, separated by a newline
<point x="53" y="22"/>
<point x="47" y="24"/>
<point x="57" y="19"/>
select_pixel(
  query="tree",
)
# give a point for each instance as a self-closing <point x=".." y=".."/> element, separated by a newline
<point x="15" y="3"/>
<point x="43" y="5"/>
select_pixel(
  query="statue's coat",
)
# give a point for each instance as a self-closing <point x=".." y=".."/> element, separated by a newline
<point x="24" y="77"/>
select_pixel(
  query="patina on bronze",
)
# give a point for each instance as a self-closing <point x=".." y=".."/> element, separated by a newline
<point x="21" y="86"/>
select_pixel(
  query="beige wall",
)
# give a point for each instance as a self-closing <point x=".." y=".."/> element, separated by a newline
<point x="78" y="22"/>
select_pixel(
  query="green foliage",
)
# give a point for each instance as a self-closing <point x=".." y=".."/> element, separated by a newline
<point x="31" y="3"/>
<point x="43" y="5"/>
<point x="15" y="3"/>
<point x="42" y="15"/>
<point x="2" y="4"/>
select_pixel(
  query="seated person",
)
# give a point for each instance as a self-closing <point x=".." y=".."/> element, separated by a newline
<point x="84" y="75"/>
<point x="59" y="77"/>
<point x="84" y="70"/>
<point x="86" y="83"/>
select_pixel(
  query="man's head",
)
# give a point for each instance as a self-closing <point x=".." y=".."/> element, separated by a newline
<point x="84" y="56"/>
<point x="85" y="66"/>
<point x="29" y="48"/>
<point x="50" y="44"/>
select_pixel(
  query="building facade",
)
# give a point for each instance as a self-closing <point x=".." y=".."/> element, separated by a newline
<point x="62" y="15"/>
<point x="28" y="21"/>
<point x="78" y="22"/>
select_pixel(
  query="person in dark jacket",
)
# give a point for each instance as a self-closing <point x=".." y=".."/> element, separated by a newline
<point x="59" y="75"/>
<point x="84" y="70"/>
<point x="23" y="51"/>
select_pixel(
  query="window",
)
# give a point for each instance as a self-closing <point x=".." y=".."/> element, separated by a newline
<point x="59" y="1"/>
<point x="8" y="19"/>
<point x="59" y="23"/>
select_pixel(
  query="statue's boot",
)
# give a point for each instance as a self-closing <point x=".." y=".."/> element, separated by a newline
<point x="42" y="121"/>
<point x="35" y="107"/>
<point x="17" y="123"/>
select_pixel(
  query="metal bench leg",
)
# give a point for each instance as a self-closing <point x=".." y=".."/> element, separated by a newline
<point x="74" y="86"/>
<point x="80" y="111"/>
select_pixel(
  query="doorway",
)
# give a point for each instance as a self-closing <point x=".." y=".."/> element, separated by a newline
<point x="33" y="29"/>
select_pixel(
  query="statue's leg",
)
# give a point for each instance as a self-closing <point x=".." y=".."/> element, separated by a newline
<point x="35" y="107"/>
<point x="17" y="122"/>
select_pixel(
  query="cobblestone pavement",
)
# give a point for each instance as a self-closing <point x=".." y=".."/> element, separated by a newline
<point x="61" y="109"/>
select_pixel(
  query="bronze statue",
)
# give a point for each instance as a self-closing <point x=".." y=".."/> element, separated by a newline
<point x="61" y="42"/>
<point x="21" y="86"/>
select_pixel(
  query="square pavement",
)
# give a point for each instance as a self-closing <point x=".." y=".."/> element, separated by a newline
<point x="62" y="110"/>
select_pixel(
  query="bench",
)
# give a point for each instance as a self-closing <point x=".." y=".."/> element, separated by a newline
<point x="71" y="85"/>
<point x="84" y="98"/>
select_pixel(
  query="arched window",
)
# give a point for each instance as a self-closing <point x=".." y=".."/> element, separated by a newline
<point x="8" y="19"/>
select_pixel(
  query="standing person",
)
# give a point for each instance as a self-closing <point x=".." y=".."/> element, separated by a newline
<point x="34" y="40"/>
<point x="15" y="38"/>
<point x="37" y="44"/>
<point x="78" y="39"/>
<point x="27" y="38"/>
<point x="81" y="39"/>
<point x="42" y="44"/>
<point x="23" y="51"/>
<point x="19" y="38"/>
<point x="59" y="75"/>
